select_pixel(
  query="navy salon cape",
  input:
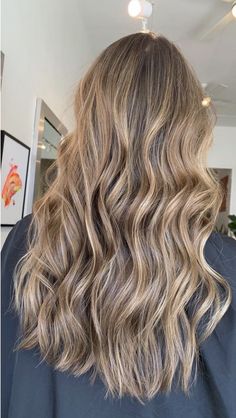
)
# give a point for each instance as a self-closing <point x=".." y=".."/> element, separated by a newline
<point x="32" y="389"/>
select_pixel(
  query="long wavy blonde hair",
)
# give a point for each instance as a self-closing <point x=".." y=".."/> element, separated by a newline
<point x="115" y="278"/>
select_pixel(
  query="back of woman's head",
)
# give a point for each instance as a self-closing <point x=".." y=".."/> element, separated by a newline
<point x="115" y="279"/>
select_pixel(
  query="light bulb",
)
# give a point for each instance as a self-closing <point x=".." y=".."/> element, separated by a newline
<point x="233" y="10"/>
<point x="42" y="146"/>
<point x="134" y="8"/>
<point x="140" y="8"/>
<point x="206" y="101"/>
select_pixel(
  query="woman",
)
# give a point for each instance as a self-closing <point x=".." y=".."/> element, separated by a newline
<point x="124" y="295"/>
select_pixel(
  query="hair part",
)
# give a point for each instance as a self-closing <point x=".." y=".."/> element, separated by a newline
<point x="115" y="279"/>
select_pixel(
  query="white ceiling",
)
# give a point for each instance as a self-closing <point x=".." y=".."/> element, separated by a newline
<point x="182" y="21"/>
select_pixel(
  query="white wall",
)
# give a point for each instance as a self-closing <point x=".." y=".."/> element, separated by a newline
<point x="223" y="155"/>
<point x="46" y="51"/>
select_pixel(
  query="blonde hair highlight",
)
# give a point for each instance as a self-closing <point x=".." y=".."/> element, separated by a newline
<point x="115" y="279"/>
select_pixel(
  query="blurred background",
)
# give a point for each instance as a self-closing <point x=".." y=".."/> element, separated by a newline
<point x="46" y="46"/>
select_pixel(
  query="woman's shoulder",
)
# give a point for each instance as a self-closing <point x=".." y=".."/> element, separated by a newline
<point x="18" y="231"/>
<point x="223" y="242"/>
<point x="22" y="226"/>
<point x="15" y="244"/>
<point x="220" y="253"/>
<point x="220" y="250"/>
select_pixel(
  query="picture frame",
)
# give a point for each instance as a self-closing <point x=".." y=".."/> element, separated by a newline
<point x="14" y="171"/>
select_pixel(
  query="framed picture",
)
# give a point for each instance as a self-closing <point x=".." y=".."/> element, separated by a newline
<point x="14" y="172"/>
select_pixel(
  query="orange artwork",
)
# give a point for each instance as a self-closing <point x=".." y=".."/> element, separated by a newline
<point x="12" y="185"/>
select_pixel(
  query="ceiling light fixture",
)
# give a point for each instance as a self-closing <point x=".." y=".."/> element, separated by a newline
<point x="42" y="146"/>
<point x="206" y="101"/>
<point x="140" y="9"/>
